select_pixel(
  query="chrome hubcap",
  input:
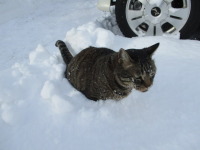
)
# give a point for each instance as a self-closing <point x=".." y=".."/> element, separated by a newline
<point x="148" y="18"/>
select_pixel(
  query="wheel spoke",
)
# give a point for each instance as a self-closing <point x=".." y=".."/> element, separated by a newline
<point x="159" y="30"/>
<point x="168" y="1"/>
<point x="180" y="14"/>
<point x="136" y="18"/>
<point x="134" y="14"/>
<point x="151" y="30"/>
<point x="154" y="30"/>
<point x="137" y="22"/>
<point x="144" y="2"/>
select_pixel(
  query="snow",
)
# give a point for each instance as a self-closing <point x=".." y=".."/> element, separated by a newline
<point x="39" y="109"/>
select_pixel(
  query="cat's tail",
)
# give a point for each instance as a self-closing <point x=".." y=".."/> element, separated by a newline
<point x="66" y="55"/>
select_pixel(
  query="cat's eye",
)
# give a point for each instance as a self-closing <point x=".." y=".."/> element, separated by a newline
<point x="138" y="80"/>
<point x="151" y="74"/>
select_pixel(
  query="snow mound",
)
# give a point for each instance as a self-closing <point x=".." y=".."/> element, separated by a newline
<point x="39" y="109"/>
<point x="89" y="34"/>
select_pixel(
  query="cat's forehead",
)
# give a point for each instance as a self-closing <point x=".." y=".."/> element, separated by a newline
<point x="138" y="55"/>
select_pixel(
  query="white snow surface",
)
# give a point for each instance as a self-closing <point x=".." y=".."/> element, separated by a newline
<point x="40" y="110"/>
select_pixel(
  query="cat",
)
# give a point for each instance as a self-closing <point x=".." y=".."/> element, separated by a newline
<point x="101" y="73"/>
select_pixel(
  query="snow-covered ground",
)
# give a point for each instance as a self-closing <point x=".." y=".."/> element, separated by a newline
<point x="39" y="110"/>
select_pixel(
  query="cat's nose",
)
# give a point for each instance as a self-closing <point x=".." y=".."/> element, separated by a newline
<point x="148" y="83"/>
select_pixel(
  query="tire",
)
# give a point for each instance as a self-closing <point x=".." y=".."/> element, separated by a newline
<point x="142" y="18"/>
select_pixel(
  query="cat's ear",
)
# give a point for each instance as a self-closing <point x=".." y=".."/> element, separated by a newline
<point x="150" y="50"/>
<point x="124" y="59"/>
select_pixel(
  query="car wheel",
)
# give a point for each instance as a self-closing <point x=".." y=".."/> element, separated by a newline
<point x="156" y="18"/>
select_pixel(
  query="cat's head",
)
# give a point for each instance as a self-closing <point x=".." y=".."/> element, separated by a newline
<point x="136" y="68"/>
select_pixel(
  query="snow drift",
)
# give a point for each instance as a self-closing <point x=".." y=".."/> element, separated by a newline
<point x="40" y="106"/>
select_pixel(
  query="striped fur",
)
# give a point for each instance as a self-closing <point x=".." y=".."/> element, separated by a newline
<point x="67" y="56"/>
<point x="101" y="73"/>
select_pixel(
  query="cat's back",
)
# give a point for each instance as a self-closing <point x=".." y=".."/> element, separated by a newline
<point x="82" y="67"/>
<point x="87" y="57"/>
<point x="92" y="53"/>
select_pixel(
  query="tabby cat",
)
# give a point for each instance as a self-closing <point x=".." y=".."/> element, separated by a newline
<point x="101" y="73"/>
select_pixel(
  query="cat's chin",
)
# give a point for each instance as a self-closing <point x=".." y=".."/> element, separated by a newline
<point x="142" y="89"/>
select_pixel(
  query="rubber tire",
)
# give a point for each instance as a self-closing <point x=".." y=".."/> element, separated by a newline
<point x="187" y="31"/>
<point x="193" y="23"/>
